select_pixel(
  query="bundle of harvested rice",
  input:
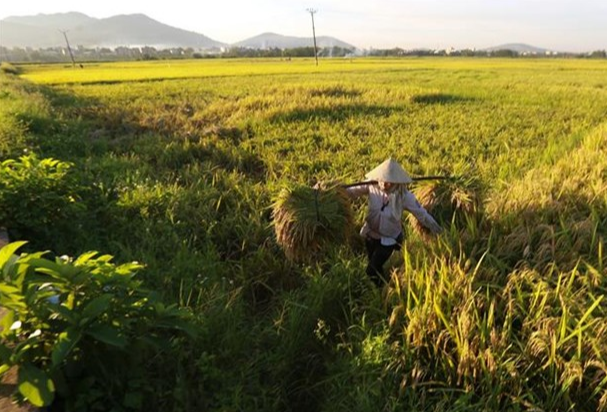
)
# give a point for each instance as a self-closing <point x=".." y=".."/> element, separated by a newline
<point x="445" y="199"/>
<point x="307" y="220"/>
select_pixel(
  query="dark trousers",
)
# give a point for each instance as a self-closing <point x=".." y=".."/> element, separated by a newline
<point x="379" y="254"/>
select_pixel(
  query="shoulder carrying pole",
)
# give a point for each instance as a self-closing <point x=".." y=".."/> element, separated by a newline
<point x="415" y="179"/>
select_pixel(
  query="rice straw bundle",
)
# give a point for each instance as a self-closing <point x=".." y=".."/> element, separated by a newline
<point x="445" y="199"/>
<point x="307" y="220"/>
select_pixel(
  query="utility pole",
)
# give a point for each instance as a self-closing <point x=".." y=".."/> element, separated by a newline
<point x="69" y="49"/>
<point x="312" y="11"/>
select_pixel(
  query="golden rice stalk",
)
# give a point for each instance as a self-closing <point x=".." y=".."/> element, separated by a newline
<point x="444" y="199"/>
<point x="307" y="220"/>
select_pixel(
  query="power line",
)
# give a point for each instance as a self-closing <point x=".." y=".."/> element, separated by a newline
<point x="312" y="12"/>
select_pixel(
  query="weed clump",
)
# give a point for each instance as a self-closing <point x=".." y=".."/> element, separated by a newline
<point x="9" y="68"/>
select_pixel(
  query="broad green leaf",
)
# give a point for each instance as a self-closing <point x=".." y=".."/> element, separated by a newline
<point x="6" y="322"/>
<point x="5" y="354"/>
<point x="3" y="368"/>
<point x="128" y="268"/>
<point x="69" y="302"/>
<point x="47" y="267"/>
<point x="9" y="250"/>
<point x="35" y="385"/>
<point x="11" y="268"/>
<point x="105" y="258"/>
<point x="97" y="306"/>
<point x="8" y="289"/>
<point x="107" y="334"/>
<point x="66" y="342"/>
<point x="18" y="271"/>
<point x="85" y="257"/>
<point x="66" y="313"/>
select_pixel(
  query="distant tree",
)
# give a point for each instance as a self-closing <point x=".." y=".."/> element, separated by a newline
<point x="396" y="51"/>
<point x="598" y="54"/>
<point x="505" y="53"/>
<point x="334" y="51"/>
<point x="299" y="52"/>
<point x="468" y="53"/>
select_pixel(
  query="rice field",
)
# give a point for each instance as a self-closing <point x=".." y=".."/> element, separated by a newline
<point x="177" y="165"/>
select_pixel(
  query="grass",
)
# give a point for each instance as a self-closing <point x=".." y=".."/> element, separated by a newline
<point x="178" y="163"/>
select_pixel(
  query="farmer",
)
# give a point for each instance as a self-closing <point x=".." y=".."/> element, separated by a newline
<point x="388" y="198"/>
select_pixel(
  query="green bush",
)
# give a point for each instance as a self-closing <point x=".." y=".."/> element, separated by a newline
<point x="12" y="136"/>
<point x="9" y="68"/>
<point x="38" y="199"/>
<point x="83" y="332"/>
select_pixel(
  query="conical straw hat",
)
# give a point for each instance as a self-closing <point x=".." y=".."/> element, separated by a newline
<point x="389" y="171"/>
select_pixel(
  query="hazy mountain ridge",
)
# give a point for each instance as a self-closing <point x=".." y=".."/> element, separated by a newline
<point x="134" y="30"/>
<point x="274" y="40"/>
<point x="23" y="35"/>
<point x="60" y="21"/>
<point x="519" y="48"/>
<point x="44" y="30"/>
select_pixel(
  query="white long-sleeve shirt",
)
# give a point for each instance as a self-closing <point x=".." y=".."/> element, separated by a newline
<point x="383" y="219"/>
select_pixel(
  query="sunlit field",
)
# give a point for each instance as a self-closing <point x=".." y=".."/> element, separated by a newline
<point x="140" y="71"/>
<point x="175" y="165"/>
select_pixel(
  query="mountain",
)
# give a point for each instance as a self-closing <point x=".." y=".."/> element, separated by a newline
<point x="519" y="48"/>
<point x="43" y="30"/>
<point x="23" y="35"/>
<point x="133" y="30"/>
<point x="62" y="21"/>
<point x="273" y="40"/>
<point x="139" y="30"/>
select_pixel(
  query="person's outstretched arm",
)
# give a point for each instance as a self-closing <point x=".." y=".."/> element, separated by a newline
<point x="412" y="205"/>
<point x="357" y="191"/>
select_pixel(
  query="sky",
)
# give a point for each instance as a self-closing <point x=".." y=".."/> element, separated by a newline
<point x="560" y="25"/>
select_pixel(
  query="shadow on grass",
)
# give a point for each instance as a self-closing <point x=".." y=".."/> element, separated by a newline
<point x="335" y="92"/>
<point x="439" y="98"/>
<point x="96" y="130"/>
<point x="336" y="113"/>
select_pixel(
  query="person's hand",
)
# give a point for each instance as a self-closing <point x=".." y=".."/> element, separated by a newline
<point x="435" y="228"/>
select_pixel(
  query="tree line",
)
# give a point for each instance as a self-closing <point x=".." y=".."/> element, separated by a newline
<point x="82" y="54"/>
